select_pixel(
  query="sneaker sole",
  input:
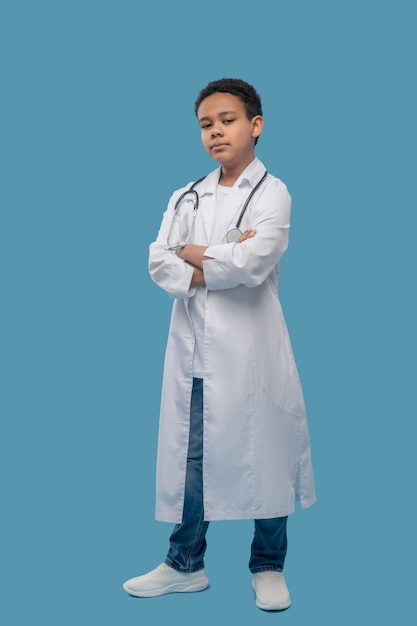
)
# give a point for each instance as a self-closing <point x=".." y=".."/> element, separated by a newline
<point x="197" y="585"/>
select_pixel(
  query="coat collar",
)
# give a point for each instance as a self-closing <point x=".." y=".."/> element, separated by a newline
<point x="250" y="176"/>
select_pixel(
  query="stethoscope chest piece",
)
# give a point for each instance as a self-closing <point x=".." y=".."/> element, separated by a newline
<point x="233" y="235"/>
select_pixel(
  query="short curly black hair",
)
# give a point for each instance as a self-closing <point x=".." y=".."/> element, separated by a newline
<point x="237" y="87"/>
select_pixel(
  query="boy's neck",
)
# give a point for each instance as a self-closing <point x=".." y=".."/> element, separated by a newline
<point x="229" y="175"/>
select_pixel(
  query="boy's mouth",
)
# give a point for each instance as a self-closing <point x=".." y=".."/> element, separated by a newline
<point x="218" y="146"/>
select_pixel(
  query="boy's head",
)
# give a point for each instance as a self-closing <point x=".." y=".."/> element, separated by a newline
<point x="229" y="112"/>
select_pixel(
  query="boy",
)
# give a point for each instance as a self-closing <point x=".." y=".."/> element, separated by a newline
<point x="233" y="435"/>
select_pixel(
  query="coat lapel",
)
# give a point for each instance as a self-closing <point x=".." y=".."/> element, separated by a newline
<point x="212" y="224"/>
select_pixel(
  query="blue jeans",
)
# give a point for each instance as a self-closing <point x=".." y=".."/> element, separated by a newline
<point x="188" y="539"/>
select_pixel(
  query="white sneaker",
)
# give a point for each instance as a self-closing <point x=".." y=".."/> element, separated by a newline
<point x="165" y="579"/>
<point x="271" y="591"/>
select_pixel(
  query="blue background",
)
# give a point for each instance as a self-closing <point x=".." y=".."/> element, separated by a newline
<point x="97" y="130"/>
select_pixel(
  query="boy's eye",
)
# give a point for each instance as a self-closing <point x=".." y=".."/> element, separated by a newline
<point x="227" y="121"/>
<point x="203" y="126"/>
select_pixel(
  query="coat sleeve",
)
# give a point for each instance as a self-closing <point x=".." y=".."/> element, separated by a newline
<point x="250" y="262"/>
<point x="166" y="269"/>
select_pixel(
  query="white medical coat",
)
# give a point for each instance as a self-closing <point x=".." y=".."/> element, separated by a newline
<point x="256" y="444"/>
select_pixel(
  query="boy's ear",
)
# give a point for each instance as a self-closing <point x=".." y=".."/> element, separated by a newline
<point x="257" y="125"/>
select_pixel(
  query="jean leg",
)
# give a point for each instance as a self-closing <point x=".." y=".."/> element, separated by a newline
<point x="188" y="539"/>
<point x="269" y="545"/>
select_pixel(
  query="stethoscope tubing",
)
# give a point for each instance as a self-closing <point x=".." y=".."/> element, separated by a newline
<point x="249" y="198"/>
<point x="194" y="192"/>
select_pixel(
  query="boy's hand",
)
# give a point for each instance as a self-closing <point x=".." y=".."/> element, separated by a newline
<point x="248" y="234"/>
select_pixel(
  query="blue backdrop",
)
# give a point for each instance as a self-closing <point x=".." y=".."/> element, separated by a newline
<point x="97" y="130"/>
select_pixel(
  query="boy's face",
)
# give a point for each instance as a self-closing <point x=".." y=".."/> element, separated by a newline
<point x="227" y="134"/>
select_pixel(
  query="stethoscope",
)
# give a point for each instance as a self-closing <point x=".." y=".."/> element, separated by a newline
<point x="231" y="236"/>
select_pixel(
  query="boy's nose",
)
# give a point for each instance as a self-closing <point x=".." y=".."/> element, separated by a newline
<point x="216" y="130"/>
